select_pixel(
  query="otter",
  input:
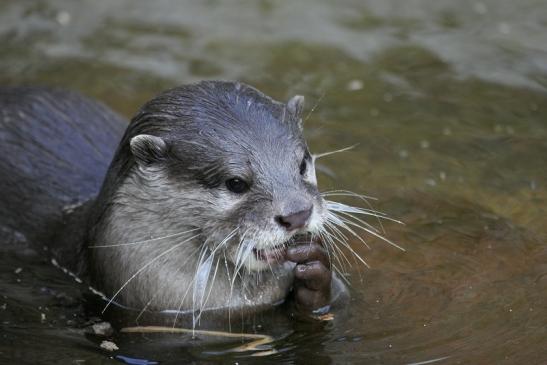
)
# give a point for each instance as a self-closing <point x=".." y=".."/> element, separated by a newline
<point x="209" y="204"/>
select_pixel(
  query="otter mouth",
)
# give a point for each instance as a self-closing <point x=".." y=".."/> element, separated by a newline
<point x="277" y="254"/>
<point x="271" y="255"/>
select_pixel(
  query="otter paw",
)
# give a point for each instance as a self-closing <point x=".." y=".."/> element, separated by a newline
<point x="313" y="276"/>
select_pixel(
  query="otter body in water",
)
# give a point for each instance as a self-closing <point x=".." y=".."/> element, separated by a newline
<point x="207" y="192"/>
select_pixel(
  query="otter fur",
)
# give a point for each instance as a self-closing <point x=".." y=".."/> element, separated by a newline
<point x="205" y="206"/>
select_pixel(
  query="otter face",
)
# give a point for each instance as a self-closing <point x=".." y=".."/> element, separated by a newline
<point x="229" y="161"/>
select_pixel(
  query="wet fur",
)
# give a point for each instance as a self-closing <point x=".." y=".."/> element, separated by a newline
<point x="56" y="147"/>
<point x="206" y="133"/>
<point x="163" y="231"/>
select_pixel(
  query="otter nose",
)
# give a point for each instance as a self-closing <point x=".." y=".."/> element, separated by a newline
<point x="294" y="221"/>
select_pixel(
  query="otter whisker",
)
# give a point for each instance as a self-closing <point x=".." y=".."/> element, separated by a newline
<point x="329" y="239"/>
<point x="344" y="218"/>
<point x="161" y="288"/>
<point x="326" y="237"/>
<point x="366" y="224"/>
<point x="365" y="200"/>
<point x="342" y="192"/>
<point x="203" y="268"/>
<point x="333" y="227"/>
<point x="340" y="207"/>
<point x="193" y="285"/>
<point x="144" y="268"/>
<point x="212" y="282"/>
<point x="243" y="252"/>
<point x="238" y="254"/>
<point x="359" y="223"/>
<point x="226" y="265"/>
<point x="203" y="272"/>
<point x="218" y="246"/>
<point x="226" y="239"/>
<point x="331" y="248"/>
<point x="242" y="256"/>
<point x="335" y="219"/>
<point x="372" y="233"/>
<point x="145" y="241"/>
<point x="335" y="233"/>
<point x="271" y="269"/>
<point x="333" y="251"/>
<point x="179" y="309"/>
<point x="328" y="246"/>
<point x="349" y="248"/>
<point x="342" y="275"/>
<point x="246" y="251"/>
<point x="315" y="106"/>
<point x="317" y="156"/>
<point x="235" y="275"/>
<point x="201" y="286"/>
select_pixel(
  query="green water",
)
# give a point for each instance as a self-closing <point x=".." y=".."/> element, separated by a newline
<point x="447" y="103"/>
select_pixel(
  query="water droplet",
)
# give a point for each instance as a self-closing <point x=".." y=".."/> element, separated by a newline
<point x="63" y="18"/>
<point x="354" y="85"/>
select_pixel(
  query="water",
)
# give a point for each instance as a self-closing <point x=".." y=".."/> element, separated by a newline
<point x="447" y="102"/>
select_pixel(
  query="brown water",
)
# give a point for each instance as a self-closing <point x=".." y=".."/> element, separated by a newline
<point x="448" y="104"/>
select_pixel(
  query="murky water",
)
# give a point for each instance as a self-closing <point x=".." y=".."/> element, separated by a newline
<point x="448" y="104"/>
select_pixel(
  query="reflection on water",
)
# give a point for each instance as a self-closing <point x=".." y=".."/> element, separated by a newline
<point x="447" y="102"/>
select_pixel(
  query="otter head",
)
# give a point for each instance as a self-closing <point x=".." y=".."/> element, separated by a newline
<point x="226" y="161"/>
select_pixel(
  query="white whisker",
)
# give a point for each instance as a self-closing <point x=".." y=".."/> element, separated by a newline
<point x="317" y="156"/>
<point x="342" y="192"/>
<point x="327" y="238"/>
<point x="144" y="241"/>
<point x="315" y="106"/>
<point x="366" y="230"/>
<point x="333" y="218"/>
<point x="162" y="287"/>
<point x="363" y="198"/>
<point x="340" y="207"/>
<point x="355" y="254"/>
<point x="144" y="267"/>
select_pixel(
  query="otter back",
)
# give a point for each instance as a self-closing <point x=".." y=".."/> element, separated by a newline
<point x="55" y="148"/>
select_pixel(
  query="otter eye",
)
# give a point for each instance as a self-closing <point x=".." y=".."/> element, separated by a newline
<point x="304" y="163"/>
<point x="303" y="166"/>
<point x="237" y="185"/>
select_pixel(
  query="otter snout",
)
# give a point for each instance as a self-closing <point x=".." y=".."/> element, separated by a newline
<point x="294" y="221"/>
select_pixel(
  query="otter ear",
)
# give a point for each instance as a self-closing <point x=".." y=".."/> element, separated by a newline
<point x="295" y="106"/>
<point x="148" y="149"/>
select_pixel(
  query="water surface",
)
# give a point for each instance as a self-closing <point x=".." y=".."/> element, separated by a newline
<point x="447" y="102"/>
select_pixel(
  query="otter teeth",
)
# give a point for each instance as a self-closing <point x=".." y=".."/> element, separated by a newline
<point x="270" y="255"/>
